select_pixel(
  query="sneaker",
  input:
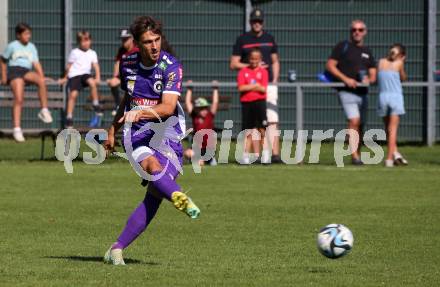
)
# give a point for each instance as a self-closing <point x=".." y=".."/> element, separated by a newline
<point x="69" y="123"/>
<point x="95" y="122"/>
<point x="389" y="163"/>
<point x="183" y="203"/>
<point x="276" y="159"/>
<point x="265" y="157"/>
<point x="398" y="159"/>
<point x="18" y="135"/>
<point x="213" y="162"/>
<point x="356" y="161"/>
<point x="114" y="257"/>
<point x="45" y="116"/>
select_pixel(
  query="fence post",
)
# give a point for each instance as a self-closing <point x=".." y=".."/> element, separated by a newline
<point x="3" y="24"/>
<point x="68" y="8"/>
<point x="431" y="97"/>
<point x="247" y="11"/>
<point x="299" y="109"/>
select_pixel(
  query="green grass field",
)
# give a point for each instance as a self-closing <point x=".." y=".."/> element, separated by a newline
<point x="257" y="228"/>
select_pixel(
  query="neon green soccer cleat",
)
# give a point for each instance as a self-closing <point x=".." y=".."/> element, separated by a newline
<point x="114" y="257"/>
<point x="183" y="203"/>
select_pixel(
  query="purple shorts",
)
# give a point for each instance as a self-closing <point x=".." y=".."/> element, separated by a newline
<point x="169" y="153"/>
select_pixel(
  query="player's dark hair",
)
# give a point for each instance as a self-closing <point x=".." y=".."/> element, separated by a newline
<point x="255" y="50"/>
<point x="396" y="50"/>
<point x="83" y="34"/>
<point x="143" y="24"/>
<point x="166" y="46"/>
<point x="21" y="27"/>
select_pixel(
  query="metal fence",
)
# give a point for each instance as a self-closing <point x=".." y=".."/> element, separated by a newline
<point x="203" y="32"/>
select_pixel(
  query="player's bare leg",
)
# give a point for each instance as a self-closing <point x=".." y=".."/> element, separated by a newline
<point x="39" y="81"/>
<point x="17" y="87"/>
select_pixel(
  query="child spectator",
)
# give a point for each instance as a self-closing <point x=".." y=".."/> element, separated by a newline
<point x="390" y="104"/>
<point x="252" y="84"/>
<point x="202" y="115"/>
<point x="16" y="62"/>
<point x="78" y="75"/>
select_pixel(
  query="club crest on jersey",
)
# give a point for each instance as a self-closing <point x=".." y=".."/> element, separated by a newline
<point x="158" y="87"/>
<point x="172" y="76"/>
<point x="163" y="66"/>
<point x="130" y="86"/>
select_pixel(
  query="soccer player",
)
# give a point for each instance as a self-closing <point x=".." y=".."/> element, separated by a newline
<point x="78" y="74"/>
<point x="21" y="56"/>
<point x="127" y="45"/>
<point x="202" y="115"/>
<point x="390" y="104"/>
<point x="152" y="81"/>
<point x="252" y="84"/>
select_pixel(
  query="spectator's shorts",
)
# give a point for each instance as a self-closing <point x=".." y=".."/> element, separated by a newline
<point x="272" y="104"/>
<point x="77" y="83"/>
<point x="355" y="106"/>
<point x="390" y="104"/>
<point x="16" y="72"/>
<point x="253" y="114"/>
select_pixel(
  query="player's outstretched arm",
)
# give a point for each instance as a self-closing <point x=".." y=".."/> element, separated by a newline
<point x="109" y="144"/>
<point x="165" y="109"/>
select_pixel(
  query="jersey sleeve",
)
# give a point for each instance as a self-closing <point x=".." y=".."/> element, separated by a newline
<point x="94" y="58"/>
<point x="173" y="79"/>
<point x="72" y="57"/>
<point x="265" y="78"/>
<point x="372" y="61"/>
<point x="236" y="49"/>
<point x="337" y="52"/>
<point x="34" y="54"/>
<point x="241" y="80"/>
<point x="7" y="52"/>
<point x="122" y="77"/>
<point x="274" y="49"/>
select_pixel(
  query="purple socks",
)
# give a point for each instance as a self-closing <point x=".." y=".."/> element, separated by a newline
<point x="138" y="221"/>
<point x="165" y="185"/>
<point x="144" y="213"/>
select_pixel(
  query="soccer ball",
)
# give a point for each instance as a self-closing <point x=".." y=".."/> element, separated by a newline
<point x="334" y="240"/>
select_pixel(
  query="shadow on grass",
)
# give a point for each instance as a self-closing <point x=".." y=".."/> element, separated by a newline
<point x="97" y="259"/>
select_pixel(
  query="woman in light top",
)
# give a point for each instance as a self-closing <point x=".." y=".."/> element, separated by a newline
<point x="390" y="105"/>
<point x="20" y="66"/>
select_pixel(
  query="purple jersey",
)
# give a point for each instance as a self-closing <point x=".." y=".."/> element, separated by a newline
<point x="146" y="86"/>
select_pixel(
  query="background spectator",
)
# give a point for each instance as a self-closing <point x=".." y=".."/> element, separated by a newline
<point x="202" y="115"/>
<point x="78" y="73"/>
<point x="17" y="61"/>
<point x="114" y="82"/>
<point x="257" y="37"/>
<point x="390" y="104"/>
<point x="252" y="84"/>
<point x="352" y="62"/>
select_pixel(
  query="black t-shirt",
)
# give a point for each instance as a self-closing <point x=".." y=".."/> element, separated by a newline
<point x="266" y="43"/>
<point x="353" y="61"/>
